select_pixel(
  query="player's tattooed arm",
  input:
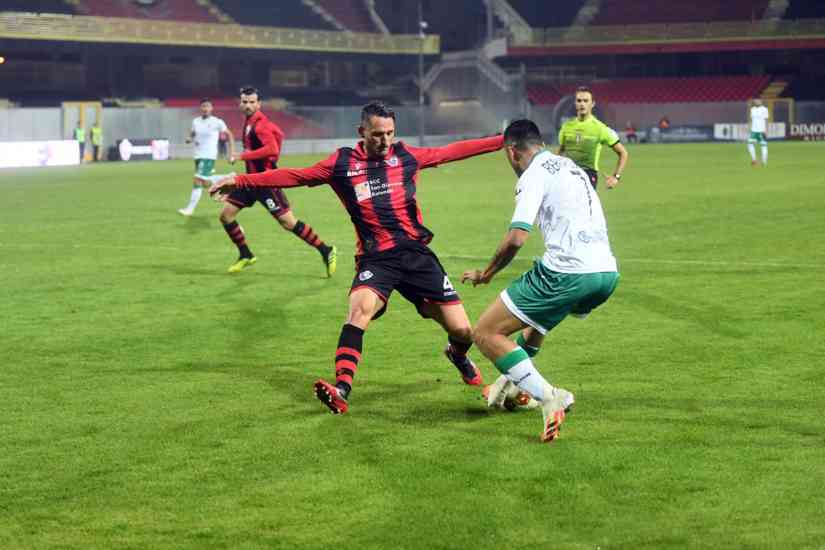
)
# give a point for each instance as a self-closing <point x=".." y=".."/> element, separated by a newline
<point x="507" y="250"/>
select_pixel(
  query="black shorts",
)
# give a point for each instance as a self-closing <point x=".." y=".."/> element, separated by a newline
<point x="593" y="175"/>
<point x="412" y="270"/>
<point x="271" y="198"/>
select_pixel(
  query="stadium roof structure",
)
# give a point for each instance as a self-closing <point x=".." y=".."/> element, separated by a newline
<point x="118" y="30"/>
<point x="671" y="38"/>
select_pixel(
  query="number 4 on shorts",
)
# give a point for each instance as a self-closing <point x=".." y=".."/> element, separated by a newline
<point x="447" y="284"/>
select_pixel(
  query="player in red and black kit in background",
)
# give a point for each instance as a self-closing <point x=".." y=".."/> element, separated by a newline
<point x="376" y="183"/>
<point x="262" y="143"/>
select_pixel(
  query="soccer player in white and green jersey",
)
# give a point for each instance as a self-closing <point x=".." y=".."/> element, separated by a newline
<point x="581" y="139"/>
<point x="577" y="273"/>
<point x="205" y="134"/>
<point x="759" y="116"/>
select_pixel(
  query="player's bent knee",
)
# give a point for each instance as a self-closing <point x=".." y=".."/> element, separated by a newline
<point x="363" y="306"/>
<point x="360" y="316"/>
<point x="463" y="333"/>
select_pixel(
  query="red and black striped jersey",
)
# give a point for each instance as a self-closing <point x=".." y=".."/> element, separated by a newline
<point x="379" y="194"/>
<point x="262" y="141"/>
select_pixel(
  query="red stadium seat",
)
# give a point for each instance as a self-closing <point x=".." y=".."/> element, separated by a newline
<point x="175" y="10"/>
<point x="659" y="90"/>
<point x="294" y="126"/>
<point x="352" y="14"/>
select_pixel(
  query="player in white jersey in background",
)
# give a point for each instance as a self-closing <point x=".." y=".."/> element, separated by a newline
<point x="576" y="274"/>
<point x="759" y="116"/>
<point x="205" y="134"/>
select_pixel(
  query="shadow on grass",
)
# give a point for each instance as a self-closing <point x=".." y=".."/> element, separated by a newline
<point x="709" y="316"/>
<point x="198" y="224"/>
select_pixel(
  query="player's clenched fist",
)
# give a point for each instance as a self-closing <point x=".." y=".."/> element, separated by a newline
<point x="475" y="276"/>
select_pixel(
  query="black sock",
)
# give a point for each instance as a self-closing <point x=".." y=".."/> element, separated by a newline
<point x="233" y="229"/>
<point x="459" y="348"/>
<point x="347" y="357"/>
<point x="305" y="232"/>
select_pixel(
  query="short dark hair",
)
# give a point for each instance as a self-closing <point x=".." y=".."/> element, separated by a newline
<point x="205" y="100"/>
<point x="250" y="90"/>
<point x="586" y="89"/>
<point x="376" y="108"/>
<point x="522" y="134"/>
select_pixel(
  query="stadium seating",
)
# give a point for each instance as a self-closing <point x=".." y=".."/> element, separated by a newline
<point x="283" y="13"/>
<point x="42" y="6"/>
<point x="542" y="14"/>
<point x="352" y="14"/>
<point x="401" y="16"/>
<point x="634" y="12"/>
<point x="294" y="126"/>
<point x="175" y="10"/>
<point x="805" y="89"/>
<point x="658" y="90"/>
<point x="805" y="9"/>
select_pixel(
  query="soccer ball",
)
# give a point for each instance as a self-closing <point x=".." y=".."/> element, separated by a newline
<point x="507" y="396"/>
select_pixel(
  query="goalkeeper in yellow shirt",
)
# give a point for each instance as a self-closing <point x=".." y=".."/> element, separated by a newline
<point x="581" y="140"/>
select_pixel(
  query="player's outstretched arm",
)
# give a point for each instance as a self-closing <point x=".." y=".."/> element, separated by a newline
<point x="507" y="250"/>
<point x="316" y="174"/>
<point x="429" y="157"/>
<point x="223" y="186"/>
<point x="529" y="193"/>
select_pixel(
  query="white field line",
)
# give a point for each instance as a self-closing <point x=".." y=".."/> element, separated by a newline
<point x="720" y="263"/>
<point x="346" y="250"/>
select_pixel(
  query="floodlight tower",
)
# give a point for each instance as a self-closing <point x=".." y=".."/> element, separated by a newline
<point x="422" y="26"/>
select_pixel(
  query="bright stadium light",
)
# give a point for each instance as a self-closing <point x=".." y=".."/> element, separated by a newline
<point x="2" y="59"/>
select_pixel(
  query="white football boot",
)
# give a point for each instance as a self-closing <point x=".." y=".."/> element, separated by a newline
<point x="556" y="403"/>
<point x="497" y="392"/>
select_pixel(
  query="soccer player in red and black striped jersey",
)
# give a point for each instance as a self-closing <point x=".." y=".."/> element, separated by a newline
<point x="376" y="183"/>
<point x="262" y="141"/>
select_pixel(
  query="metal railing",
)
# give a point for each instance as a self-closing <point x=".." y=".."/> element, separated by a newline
<point x="75" y="28"/>
<point x="675" y="32"/>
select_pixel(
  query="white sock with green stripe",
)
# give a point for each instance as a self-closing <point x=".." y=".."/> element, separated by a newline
<point x="752" y="151"/>
<point x="197" y="191"/>
<point x="764" y="154"/>
<point x="519" y="369"/>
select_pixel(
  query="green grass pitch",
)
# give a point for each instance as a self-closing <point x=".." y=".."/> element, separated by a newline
<point x="150" y="400"/>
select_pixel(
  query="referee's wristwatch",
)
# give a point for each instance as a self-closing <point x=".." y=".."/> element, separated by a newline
<point x="617" y="176"/>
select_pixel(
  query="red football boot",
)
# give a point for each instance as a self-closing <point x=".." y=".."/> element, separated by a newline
<point x="469" y="371"/>
<point x="330" y="396"/>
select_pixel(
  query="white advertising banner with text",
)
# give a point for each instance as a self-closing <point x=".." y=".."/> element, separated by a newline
<point x="18" y="154"/>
